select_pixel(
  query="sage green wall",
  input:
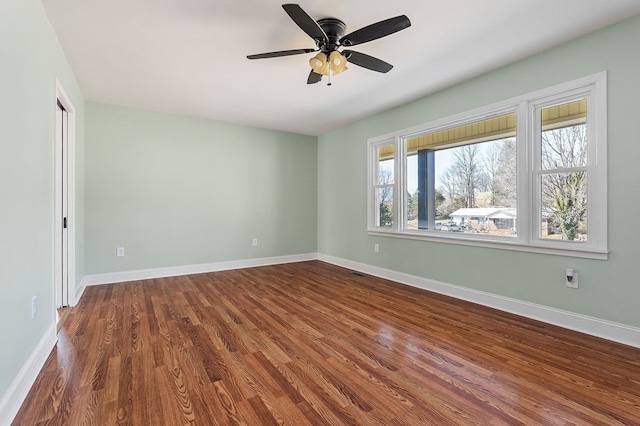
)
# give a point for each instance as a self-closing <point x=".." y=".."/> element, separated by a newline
<point x="180" y="191"/>
<point x="32" y="59"/>
<point x="609" y="289"/>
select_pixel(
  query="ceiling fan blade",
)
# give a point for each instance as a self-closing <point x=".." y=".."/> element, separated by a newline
<point x="280" y="53"/>
<point x="366" y="61"/>
<point x="314" y="77"/>
<point x="304" y="21"/>
<point x="376" y="31"/>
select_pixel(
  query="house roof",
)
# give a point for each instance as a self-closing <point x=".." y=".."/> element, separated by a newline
<point x="189" y="57"/>
<point x="486" y="212"/>
<point x="503" y="215"/>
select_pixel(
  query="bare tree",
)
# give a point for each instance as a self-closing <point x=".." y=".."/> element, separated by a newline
<point x="468" y="169"/>
<point x="449" y="183"/>
<point x="385" y="197"/>
<point x="505" y="178"/>
<point x="448" y="188"/>
<point x="564" y="190"/>
<point x="565" y="147"/>
<point x="491" y="164"/>
<point x="385" y="180"/>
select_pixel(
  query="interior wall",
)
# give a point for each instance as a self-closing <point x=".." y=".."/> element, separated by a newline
<point x="32" y="59"/>
<point x="609" y="290"/>
<point x="177" y="191"/>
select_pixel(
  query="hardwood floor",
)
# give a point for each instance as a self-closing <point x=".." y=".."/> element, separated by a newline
<point x="61" y="316"/>
<point x="312" y="343"/>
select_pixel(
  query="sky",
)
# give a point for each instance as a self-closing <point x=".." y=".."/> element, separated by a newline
<point x="442" y="161"/>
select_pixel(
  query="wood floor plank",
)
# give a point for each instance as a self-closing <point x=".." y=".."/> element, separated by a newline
<point x="314" y="344"/>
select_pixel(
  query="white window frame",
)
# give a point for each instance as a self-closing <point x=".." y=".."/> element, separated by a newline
<point x="373" y="217"/>
<point x="528" y="134"/>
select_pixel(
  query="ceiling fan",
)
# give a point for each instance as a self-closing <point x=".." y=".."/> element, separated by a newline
<point x="328" y="35"/>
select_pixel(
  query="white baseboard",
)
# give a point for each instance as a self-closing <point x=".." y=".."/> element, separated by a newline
<point x="616" y="332"/>
<point x="146" y="274"/>
<point x="80" y="290"/>
<point x="17" y="391"/>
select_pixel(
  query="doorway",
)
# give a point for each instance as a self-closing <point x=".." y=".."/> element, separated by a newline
<point x="64" y="205"/>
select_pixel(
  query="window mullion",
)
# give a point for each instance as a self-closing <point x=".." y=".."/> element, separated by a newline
<point x="525" y="176"/>
<point x="399" y="190"/>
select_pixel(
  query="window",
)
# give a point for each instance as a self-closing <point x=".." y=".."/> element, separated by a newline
<point x="525" y="174"/>
<point x="563" y="171"/>
<point x="384" y="183"/>
<point x="463" y="174"/>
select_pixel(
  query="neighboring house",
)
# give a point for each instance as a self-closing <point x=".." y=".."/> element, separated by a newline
<point x="486" y="219"/>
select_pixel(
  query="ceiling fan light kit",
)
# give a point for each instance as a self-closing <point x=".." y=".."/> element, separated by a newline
<point x="337" y="63"/>
<point x="328" y="35"/>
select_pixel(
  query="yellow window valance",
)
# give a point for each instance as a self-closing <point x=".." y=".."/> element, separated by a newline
<point x="568" y="114"/>
<point x="481" y="131"/>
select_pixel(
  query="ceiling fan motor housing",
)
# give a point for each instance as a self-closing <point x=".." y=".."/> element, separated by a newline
<point x="334" y="29"/>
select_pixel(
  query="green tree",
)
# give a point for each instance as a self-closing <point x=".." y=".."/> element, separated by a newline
<point x="412" y="205"/>
<point x="441" y="201"/>
<point x="386" y="215"/>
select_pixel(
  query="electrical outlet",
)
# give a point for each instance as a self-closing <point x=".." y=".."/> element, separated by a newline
<point x="120" y="251"/>
<point x="255" y="242"/>
<point x="34" y="307"/>
<point x="376" y="248"/>
<point x="571" y="278"/>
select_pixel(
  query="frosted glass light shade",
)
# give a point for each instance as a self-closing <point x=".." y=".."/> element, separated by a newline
<point x="337" y="62"/>
<point x="319" y="64"/>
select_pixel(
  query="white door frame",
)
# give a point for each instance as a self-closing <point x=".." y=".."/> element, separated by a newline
<point x="60" y="197"/>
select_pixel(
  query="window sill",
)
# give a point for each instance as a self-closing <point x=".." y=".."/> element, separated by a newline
<point x="497" y="243"/>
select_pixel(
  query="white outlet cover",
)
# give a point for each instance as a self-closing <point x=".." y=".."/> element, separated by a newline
<point x="34" y="307"/>
<point x="574" y="282"/>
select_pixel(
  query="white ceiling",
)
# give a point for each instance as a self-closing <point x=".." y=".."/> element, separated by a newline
<point x="188" y="57"/>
